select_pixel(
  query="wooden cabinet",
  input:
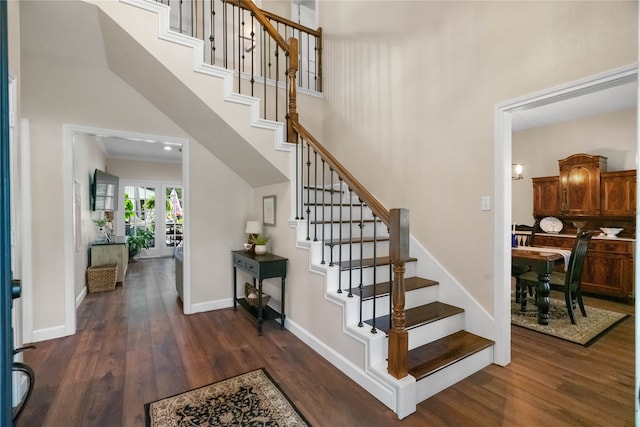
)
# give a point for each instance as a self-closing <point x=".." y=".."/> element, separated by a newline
<point x="618" y="193"/>
<point x="580" y="184"/>
<point x="114" y="252"/>
<point x="545" y="195"/>
<point x="608" y="267"/>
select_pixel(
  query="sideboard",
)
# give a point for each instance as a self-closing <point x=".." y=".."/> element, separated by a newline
<point x="608" y="267"/>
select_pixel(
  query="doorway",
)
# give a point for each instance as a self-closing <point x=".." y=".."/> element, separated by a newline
<point x="74" y="270"/>
<point x="506" y="114"/>
<point x="155" y="207"/>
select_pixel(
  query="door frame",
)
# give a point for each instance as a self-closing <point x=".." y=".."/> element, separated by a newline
<point x="502" y="189"/>
<point x="71" y="303"/>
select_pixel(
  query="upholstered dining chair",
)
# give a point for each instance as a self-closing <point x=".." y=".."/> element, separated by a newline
<point x="571" y="280"/>
<point x="525" y="236"/>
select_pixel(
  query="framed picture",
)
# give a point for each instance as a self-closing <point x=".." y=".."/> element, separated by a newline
<point x="269" y="210"/>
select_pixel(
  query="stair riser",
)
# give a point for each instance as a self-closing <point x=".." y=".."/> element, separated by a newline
<point x="317" y="197"/>
<point x="435" y="330"/>
<point x="382" y="250"/>
<point x="413" y="299"/>
<point x="444" y="378"/>
<point x="354" y="227"/>
<point x="382" y="275"/>
<point x="326" y="213"/>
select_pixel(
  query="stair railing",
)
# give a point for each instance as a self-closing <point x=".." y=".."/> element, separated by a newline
<point x="238" y="28"/>
<point x="239" y="39"/>
<point x="396" y="220"/>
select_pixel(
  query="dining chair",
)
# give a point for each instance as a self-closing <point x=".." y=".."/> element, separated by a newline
<point x="571" y="279"/>
<point x="525" y="236"/>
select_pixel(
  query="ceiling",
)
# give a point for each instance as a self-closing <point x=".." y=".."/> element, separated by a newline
<point x="608" y="98"/>
<point x="132" y="148"/>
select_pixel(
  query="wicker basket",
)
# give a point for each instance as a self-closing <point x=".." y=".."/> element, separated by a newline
<point x="101" y="278"/>
<point x="251" y="295"/>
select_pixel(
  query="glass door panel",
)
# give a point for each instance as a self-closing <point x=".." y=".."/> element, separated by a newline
<point x="140" y="214"/>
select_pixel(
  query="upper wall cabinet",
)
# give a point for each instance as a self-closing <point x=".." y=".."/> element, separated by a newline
<point x="545" y="195"/>
<point x="580" y="184"/>
<point x="618" y="193"/>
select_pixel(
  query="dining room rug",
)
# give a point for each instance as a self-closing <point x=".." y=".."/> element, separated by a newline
<point x="253" y="398"/>
<point x="586" y="330"/>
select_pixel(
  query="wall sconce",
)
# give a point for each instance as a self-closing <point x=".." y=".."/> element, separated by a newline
<point x="516" y="171"/>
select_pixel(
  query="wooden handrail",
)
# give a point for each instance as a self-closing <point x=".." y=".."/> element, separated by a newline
<point x="376" y="207"/>
<point x="278" y="18"/>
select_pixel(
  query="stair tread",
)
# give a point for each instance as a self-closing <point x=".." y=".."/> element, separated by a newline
<point x="368" y="262"/>
<point x="432" y="357"/>
<point x="355" y="221"/>
<point x="419" y="316"/>
<point x="382" y="289"/>
<point x="328" y="190"/>
<point x="347" y="241"/>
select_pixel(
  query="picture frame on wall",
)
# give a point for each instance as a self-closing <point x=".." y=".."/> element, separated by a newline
<point x="269" y="210"/>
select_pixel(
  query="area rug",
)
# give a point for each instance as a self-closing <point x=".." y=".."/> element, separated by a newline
<point x="586" y="330"/>
<point x="251" y="399"/>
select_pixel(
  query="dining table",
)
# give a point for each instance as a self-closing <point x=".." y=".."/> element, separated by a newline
<point x="543" y="261"/>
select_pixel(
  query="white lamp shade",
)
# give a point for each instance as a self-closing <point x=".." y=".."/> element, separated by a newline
<point x="253" y="227"/>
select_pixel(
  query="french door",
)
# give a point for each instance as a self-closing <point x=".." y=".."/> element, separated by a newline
<point x="154" y="207"/>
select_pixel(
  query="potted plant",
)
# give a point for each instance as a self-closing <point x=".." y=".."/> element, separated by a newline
<point x="260" y="243"/>
<point x="139" y="241"/>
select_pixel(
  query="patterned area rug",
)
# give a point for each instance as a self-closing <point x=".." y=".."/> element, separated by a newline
<point x="586" y="330"/>
<point x="251" y="399"/>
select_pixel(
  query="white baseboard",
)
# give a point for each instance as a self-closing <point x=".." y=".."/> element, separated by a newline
<point x="49" y="333"/>
<point x="364" y="380"/>
<point x="80" y="297"/>
<point x="211" y="305"/>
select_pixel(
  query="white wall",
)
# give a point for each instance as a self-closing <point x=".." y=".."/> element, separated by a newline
<point x="613" y="135"/>
<point x="410" y="94"/>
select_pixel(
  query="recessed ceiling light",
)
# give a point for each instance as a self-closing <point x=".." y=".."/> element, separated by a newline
<point x="167" y="148"/>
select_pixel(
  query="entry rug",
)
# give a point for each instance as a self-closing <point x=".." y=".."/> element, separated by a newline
<point x="586" y="330"/>
<point x="251" y="399"/>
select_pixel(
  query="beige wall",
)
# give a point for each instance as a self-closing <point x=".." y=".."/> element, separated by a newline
<point x="87" y="157"/>
<point x="613" y="135"/>
<point x="57" y="92"/>
<point x="411" y="89"/>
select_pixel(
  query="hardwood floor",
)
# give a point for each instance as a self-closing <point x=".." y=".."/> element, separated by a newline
<point x="134" y="346"/>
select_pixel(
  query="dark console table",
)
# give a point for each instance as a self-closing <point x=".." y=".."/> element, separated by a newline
<point x="261" y="267"/>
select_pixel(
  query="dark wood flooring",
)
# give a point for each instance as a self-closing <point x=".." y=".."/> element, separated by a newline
<point x="134" y="346"/>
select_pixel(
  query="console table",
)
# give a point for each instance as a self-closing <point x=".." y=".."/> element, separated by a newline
<point x="115" y="251"/>
<point x="260" y="267"/>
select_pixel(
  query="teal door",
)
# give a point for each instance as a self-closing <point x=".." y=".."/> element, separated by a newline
<point x="6" y="300"/>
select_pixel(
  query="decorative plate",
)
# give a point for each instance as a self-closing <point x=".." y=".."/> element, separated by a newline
<point x="550" y="224"/>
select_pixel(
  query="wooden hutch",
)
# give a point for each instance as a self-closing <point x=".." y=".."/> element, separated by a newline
<point x="584" y="195"/>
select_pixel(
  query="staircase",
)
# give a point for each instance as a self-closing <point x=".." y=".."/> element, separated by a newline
<point x="354" y="260"/>
<point x="351" y="246"/>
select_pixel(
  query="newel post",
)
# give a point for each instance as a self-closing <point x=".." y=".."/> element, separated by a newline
<point x="399" y="254"/>
<point x="292" y="114"/>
